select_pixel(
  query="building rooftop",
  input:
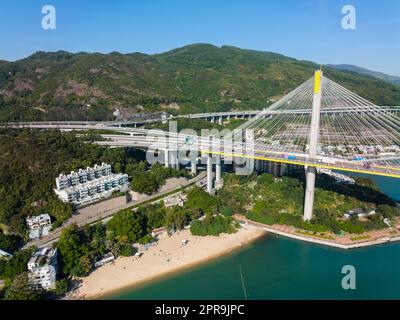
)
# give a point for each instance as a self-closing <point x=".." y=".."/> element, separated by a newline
<point x="41" y="257"/>
<point x="95" y="182"/>
<point x="5" y="254"/>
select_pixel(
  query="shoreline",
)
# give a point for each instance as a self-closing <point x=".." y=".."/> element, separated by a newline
<point x="165" y="259"/>
<point x="373" y="238"/>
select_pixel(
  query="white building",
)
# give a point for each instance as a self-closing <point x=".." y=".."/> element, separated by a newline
<point x="340" y="178"/>
<point x="43" y="269"/>
<point x="86" y="186"/>
<point x="104" y="259"/>
<point x="82" y="176"/>
<point x="173" y="201"/>
<point x="38" y="226"/>
<point x="5" y="255"/>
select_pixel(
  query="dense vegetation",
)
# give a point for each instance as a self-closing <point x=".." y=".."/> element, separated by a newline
<point x="212" y="225"/>
<point x="80" y="248"/>
<point x="10" y="242"/>
<point x="11" y="268"/>
<point x="197" y="125"/>
<point x="30" y="160"/>
<point x="270" y="200"/>
<point x="19" y="289"/>
<point x="61" y="85"/>
<point x="149" y="181"/>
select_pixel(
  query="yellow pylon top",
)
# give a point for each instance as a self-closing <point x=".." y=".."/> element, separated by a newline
<point x="317" y="81"/>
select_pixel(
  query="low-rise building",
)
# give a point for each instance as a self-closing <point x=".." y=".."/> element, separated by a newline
<point x="5" y="255"/>
<point x="38" y="226"/>
<point x="173" y="201"/>
<point x="340" y="178"/>
<point x="108" y="257"/>
<point x="42" y="269"/>
<point x="158" y="231"/>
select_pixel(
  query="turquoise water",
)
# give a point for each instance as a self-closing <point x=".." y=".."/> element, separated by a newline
<point x="281" y="268"/>
<point x="390" y="186"/>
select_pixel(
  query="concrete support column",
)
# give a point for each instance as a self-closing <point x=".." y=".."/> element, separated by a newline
<point x="218" y="170"/>
<point x="173" y="154"/>
<point x="209" y="174"/>
<point x="193" y="161"/>
<point x="177" y="164"/>
<point x="193" y="168"/>
<point x="172" y="158"/>
<point x="313" y="145"/>
<point x="309" y="197"/>
<point x="218" y="174"/>
<point x="166" y="155"/>
<point x="220" y="121"/>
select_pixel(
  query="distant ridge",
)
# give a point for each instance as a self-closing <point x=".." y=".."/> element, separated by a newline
<point x="194" y="78"/>
<point x="360" y="70"/>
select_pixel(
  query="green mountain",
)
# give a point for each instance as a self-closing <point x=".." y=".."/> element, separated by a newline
<point x="360" y="70"/>
<point x="195" y="78"/>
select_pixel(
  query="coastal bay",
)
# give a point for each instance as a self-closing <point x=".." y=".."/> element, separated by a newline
<point x="277" y="267"/>
<point x="168" y="256"/>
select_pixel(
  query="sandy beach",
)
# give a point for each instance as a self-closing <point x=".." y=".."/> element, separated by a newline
<point x="168" y="256"/>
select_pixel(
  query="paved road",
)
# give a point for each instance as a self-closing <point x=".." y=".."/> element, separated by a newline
<point x="82" y="220"/>
<point x="255" y="151"/>
<point x="240" y="113"/>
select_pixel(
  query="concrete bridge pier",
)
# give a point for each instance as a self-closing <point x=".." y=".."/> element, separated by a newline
<point x="174" y="159"/>
<point x="209" y="174"/>
<point x="166" y="158"/>
<point x="193" y="166"/>
<point x="313" y="146"/>
<point x="220" y="122"/>
<point x="309" y="196"/>
<point x="218" y="176"/>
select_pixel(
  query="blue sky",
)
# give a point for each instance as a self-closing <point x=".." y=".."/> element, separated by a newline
<point x="303" y="29"/>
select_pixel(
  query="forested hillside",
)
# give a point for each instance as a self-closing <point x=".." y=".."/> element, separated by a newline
<point x="195" y="78"/>
<point x="30" y="160"/>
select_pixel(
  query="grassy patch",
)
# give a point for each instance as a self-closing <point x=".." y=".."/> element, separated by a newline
<point x="308" y="234"/>
<point x="357" y="238"/>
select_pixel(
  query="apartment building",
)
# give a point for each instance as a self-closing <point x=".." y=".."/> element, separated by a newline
<point x="82" y="176"/>
<point x="42" y="269"/>
<point x="92" y="184"/>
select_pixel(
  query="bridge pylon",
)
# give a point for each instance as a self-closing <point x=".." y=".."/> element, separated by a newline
<point x="313" y="146"/>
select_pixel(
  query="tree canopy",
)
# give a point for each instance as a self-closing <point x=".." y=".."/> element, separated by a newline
<point x="30" y="160"/>
<point x="127" y="225"/>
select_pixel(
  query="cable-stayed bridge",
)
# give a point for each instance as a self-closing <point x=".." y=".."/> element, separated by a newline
<point x="334" y="128"/>
<point x="320" y="124"/>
